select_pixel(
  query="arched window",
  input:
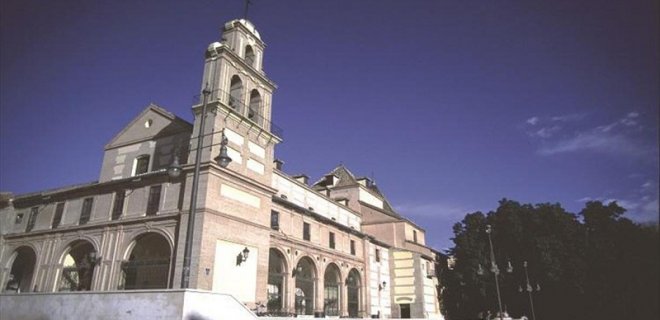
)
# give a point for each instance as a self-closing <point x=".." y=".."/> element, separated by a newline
<point x="20" y="275"/>
<point x="305" y="294"/>
<point x="236" y="94"/>
<point x="254" y="111"/>
<point x="250" y="57"/>
<point x="353" y="292"/>
<point x="276" y="281"/>
<point x="148" y="265"/>
<point x="141" y="164"/>
<point x="79" y="264"/>
<point x="331" y="282"/>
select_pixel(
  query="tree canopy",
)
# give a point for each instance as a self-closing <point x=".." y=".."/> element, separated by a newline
<point x="593" y="265"/>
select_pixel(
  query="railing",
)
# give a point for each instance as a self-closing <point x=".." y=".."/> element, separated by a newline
<point x="236" y="105"/>
<point x="144" y="274"/>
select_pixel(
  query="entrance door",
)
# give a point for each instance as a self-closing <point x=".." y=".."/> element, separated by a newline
<point x="405" y="311"/>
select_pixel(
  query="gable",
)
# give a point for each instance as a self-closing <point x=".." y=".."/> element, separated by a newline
<point x="151" y="123"/>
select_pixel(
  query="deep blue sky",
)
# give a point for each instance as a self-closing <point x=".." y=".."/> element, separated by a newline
<point x="450" y="105"/>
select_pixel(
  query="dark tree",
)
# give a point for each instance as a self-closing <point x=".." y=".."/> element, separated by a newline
<point x="595" y="265"/>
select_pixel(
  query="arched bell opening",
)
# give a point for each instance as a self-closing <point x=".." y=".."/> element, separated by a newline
<point x="236" y="94"/>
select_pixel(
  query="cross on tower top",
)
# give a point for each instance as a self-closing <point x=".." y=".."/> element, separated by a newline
<point x="245" y="12"/>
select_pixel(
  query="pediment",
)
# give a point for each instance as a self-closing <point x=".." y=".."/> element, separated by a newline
<point x="151" y="123"/>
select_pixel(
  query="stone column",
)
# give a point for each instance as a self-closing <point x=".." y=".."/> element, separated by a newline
<point x="344" y="299"/>
<point x="290" y="305"/>
<point x="320" y="294"/>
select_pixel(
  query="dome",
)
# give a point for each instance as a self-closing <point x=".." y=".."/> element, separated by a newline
<point x="247" y="24"/>
<point x="213" y="46"/>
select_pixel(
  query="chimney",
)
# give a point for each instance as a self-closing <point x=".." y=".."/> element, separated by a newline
<point x="302" y="178"/>
<point x="278" y="164"/>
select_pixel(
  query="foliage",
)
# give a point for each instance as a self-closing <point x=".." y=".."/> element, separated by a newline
<point x="594" y="265"/>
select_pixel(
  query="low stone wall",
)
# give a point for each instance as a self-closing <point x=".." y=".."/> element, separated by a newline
<point x="123" y="305"/>
<point x="310" y="317"/>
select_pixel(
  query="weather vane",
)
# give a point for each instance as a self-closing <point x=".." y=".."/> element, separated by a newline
<point x="247" y="4"/>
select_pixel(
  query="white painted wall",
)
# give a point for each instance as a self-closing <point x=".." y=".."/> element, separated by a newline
<point x="379" y="272"/>
<point x="307" y="198"/>
<point x="230" y="278"/>
<point x="367" y="197"/>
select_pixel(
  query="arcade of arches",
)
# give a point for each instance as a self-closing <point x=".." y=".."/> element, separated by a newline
<point x="148" y="266"/>
<point x="339" y="298"/>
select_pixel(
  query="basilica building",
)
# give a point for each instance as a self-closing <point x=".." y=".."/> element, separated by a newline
<point x="280" y="243"/>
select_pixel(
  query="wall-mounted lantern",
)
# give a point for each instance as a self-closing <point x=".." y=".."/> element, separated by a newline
<point x="242" y="256"/>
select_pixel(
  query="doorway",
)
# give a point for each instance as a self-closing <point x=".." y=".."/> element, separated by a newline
<point x="405" y="311"/>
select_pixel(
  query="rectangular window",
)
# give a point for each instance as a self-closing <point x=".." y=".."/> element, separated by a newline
<point x="141" y="164"/>
<point x="332" y="240"/>
<point x="32" y="219"/>
<point x="353" y="247"/>
<point x="86" y="211"/>
<point x="306" y="233"/>
<point x="275" y="220"/>
<point x="154" y="200"/>
<point x="377" y="255"/>
<point x="415" y="236"/>
<point x="118" y="205"/>
<point x="57" y="218"/>
<point x="19" y="218"/>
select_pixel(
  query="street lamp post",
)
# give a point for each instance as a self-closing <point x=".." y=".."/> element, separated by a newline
<point x="175" y="170"/>
<point x="529" y="290"/>
<point x="495" y="270"/>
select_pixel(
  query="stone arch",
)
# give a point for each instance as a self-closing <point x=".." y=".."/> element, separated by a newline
<point x="255" y="107"/>
<point x="130" y="242"/>
<point x="236" y="94"/>
<point x="332" y="288"/>
<point x="353" y="291"/>
<point x="21" y="266"/>
<point x="65" y="247"/>
<point x="250" y="56"/>
<point x="277" y="280"/>
<point x="78" y="260"/>
<point x="149" y="263"/>
<point x="305" y="274"/>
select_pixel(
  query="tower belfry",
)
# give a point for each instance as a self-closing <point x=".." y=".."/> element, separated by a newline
<point x="239" y="101"/>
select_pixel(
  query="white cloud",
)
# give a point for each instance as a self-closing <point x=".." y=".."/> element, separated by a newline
<point x="638" y="208"/>
<point x="596" y="140"/>
<point x="613" y="138"/>
<point x="533" y="120"/>
<point x="630" y="120"/>
<point x="651" y="208"/>
<point x="547" y="132"/>
<point x="648" y="185"/>
<point x="569" y="117"/>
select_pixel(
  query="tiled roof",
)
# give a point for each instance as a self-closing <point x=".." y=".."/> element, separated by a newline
<point x="346" y="178"/>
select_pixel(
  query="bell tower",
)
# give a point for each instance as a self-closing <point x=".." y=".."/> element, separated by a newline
<point x="238" y="99"/>
<point x="235" y="197"/>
